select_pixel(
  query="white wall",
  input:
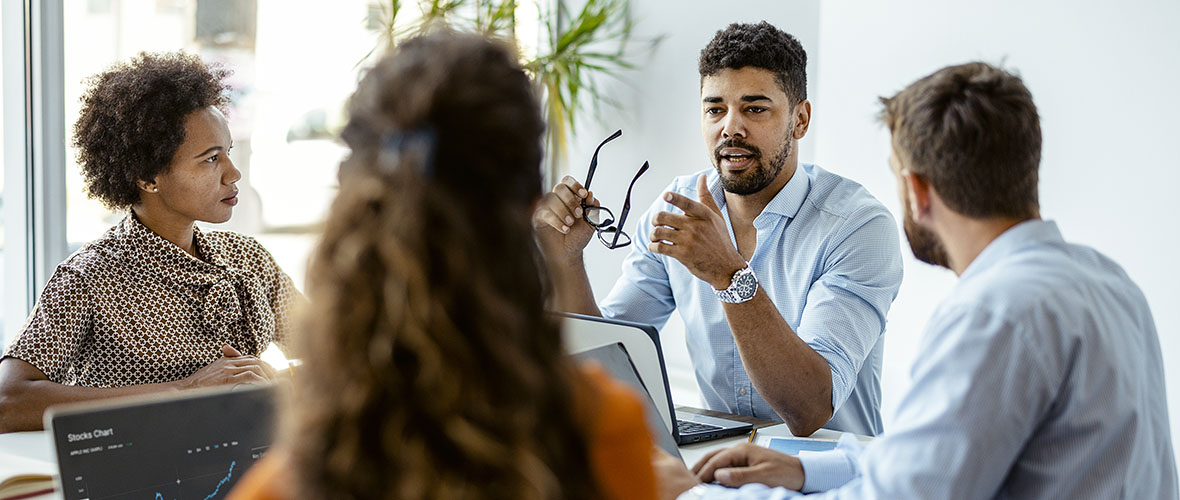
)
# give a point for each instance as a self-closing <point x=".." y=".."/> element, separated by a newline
<point x="660" y="122"/>
<point x="1103" y="75"/>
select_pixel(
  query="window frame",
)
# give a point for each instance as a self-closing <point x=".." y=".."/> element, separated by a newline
<point x="34" y="153"/>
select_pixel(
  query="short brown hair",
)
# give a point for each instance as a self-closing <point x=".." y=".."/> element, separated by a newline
<point x="973" y="132"/>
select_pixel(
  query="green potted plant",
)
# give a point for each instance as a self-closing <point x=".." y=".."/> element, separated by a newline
<point x="572" y="50"/>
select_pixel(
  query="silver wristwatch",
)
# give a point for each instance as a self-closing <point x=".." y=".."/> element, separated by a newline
<point x="742" y="287"/>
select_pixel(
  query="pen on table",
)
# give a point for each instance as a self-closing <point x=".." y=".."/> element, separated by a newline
<point x="752" y="432"/>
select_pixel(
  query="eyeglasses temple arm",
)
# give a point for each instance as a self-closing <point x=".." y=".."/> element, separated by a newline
<point x="627" y="202"/>
<point x="594" y="159"/>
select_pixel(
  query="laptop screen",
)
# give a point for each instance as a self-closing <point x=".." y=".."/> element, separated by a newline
<point x="615" y="360"/>
<point x="194" y="446"/>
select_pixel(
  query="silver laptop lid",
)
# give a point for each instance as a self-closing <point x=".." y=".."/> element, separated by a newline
<point x="582" y="333"/>
<point x="615" y="360"/>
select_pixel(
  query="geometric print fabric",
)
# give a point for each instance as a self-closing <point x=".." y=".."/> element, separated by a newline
<point x="132" y="308"/>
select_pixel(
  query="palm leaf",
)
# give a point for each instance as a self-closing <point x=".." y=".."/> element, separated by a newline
<point x="582" y="50"/>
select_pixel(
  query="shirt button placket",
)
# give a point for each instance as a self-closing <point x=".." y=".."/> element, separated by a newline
<point x="743" y="400"/>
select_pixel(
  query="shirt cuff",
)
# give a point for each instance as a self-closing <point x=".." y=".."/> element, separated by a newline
<point x="826" y="470"/>
<point x="747" y="492"/>
<point x="699" y="492"/>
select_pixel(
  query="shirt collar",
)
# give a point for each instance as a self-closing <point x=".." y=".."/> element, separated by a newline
<point x="143" y="239"/>
<point x="786" y="202"/>
<point x="1016" y="238"/>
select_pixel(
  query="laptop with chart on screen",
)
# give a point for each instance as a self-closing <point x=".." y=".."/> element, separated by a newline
<point x="191" y="446"/>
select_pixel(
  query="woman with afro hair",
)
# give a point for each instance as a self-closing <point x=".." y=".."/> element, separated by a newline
<point x="155" y="304"/>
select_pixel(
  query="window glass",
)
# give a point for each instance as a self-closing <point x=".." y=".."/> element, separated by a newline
<point x="294" y="64"/>
<point x="3" y="339"/>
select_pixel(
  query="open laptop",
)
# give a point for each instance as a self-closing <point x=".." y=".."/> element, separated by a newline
<point x="194" y="445"/>
<point x="642" y="345"/>
<point x="615" y="360"/>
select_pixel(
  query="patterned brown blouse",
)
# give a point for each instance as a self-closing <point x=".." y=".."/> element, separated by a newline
<point x="132" y="308"/>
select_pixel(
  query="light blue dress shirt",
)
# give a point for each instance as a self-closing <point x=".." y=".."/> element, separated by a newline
<point x="829" y="258"/>
<point x="1040" y="377"/>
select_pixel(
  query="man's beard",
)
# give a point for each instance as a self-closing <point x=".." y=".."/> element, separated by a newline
<point x="924" y="243"/>
<point x="757" y="177"/>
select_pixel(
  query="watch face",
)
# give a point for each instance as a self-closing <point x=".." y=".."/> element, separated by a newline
<point x="745" y="285"/>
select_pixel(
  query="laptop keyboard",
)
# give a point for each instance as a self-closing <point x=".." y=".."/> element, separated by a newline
<point x="686" y="427"/>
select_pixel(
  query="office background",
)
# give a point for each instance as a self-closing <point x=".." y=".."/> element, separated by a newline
<point x="1102" y="73"/>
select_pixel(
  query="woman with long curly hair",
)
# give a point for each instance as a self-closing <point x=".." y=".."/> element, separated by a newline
<point x="432" y="369"/>
<point x="155" y="304"/>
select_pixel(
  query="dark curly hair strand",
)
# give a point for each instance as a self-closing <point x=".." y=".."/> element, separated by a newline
<point x="132" y="120"/>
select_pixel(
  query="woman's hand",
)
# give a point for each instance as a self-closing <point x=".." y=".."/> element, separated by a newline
<point x="25" y="391"/>
<point x="231" y="368"/>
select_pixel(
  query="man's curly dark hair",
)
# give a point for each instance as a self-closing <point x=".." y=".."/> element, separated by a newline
<point x="132" y="120"/>
<point x="762" y="46"/>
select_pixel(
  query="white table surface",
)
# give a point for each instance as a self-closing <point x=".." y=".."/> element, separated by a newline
<point x="694" y="452"/>
<point x="37" y="445"/>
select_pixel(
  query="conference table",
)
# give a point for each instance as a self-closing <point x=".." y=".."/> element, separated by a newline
<point x="37" y="445"/>
<point x="692" y="453"/>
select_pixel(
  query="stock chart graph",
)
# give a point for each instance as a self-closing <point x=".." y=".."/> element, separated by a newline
<point x="229" y="475"/>
<point x="182" y="449"/>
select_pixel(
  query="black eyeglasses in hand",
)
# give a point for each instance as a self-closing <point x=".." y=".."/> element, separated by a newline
<point x="601" y="218"/>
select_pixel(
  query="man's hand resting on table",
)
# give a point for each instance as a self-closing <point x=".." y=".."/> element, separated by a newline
<point x="748" y="463"/>
<point x="232" y="368"/>
<point x="732" y="467"/>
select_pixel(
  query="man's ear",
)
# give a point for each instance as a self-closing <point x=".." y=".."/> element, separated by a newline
<point x="919" y="193"/>
<point x="802" y="119"/>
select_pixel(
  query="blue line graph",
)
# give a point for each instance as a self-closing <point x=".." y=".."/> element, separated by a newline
<point x="221" y="483"/>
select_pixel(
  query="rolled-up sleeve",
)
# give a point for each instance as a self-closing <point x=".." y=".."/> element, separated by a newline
<point x="56" y="328"/>
<point x="847" y="306"/>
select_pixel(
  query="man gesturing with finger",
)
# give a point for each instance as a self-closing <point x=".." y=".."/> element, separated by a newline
<point x="783" y="272"/>
<point x="1040" y="374"/>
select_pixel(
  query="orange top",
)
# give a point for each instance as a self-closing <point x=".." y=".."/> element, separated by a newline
<point x="620" y="445"/>
<point x="620" y="450"/>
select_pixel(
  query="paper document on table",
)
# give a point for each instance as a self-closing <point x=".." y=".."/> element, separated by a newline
<point x="793" y="445"/>
<point x="21" y="476"/>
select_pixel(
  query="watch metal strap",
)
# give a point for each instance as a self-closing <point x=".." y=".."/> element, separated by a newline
<point x="729" y="295"/>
